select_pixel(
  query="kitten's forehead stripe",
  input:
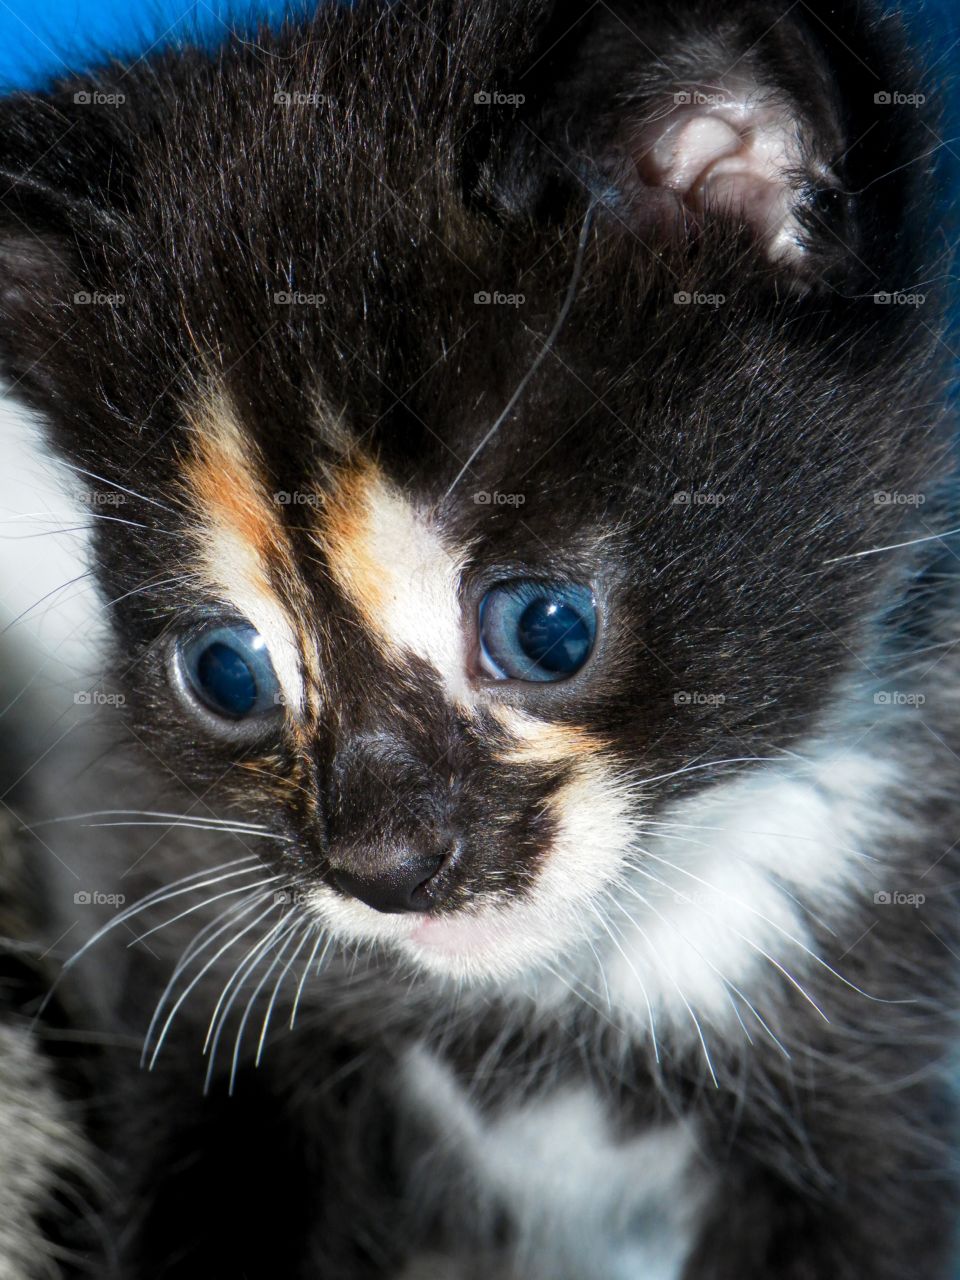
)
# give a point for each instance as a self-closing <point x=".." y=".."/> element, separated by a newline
<point x="391" y="561"/>
<point x="225" y="478"/>
<point x="242" y="546"/>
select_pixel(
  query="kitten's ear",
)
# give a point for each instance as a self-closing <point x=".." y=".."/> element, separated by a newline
<point x="789" y="128"/>
<point x="60" y="169"/>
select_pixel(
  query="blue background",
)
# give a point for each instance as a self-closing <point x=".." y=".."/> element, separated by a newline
<point x="44" y="38"/>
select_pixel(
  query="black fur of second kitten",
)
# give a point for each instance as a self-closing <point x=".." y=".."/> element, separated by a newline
<point x="527" y="546"/>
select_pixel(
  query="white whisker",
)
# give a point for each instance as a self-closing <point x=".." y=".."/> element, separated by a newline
<point x="676" y="987"/>
<point x="227" y="893"/>
<point x="723" y="978"/>
<point x="306" y="972"/>
<point x="186" y="884"/>
<point x="548" y="345"/>
<point x="781" y="930"/>
<point x="234" y="986"/>
<point x="704" y="764"/>
<point x="307" y="934"/>
<point x="195" y="826"/>
<point x="203" y="939"/>
<point x="894" y="546"/>
<point x="114" y="485"/>
<point x="206" y="969"/>
<point x="252" y="827"/>
<point x="640" y="983"/>
<point x="238" y="1038"/>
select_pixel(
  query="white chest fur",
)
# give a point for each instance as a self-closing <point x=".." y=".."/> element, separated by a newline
<point x="583" y="1201"/>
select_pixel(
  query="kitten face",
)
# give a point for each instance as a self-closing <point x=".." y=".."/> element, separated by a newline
<point x="339" y="607"/>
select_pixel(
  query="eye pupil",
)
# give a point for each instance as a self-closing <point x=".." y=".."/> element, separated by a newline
<point x="225" y="668"/>
<point x="226" y="680"/>
<point x="536" y="631"/>
<point x="554" y="636"/>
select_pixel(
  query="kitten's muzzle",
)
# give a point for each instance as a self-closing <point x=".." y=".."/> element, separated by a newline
<point x="403" y="887"/>
<point x="390" y="832"/>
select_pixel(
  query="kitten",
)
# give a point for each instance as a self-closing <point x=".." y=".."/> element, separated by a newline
<point x="517" y="454"/>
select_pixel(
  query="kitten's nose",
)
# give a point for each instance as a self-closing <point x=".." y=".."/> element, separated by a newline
<point x="398" y="888"/>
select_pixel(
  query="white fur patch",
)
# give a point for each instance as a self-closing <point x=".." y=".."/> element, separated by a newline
<point x="715" y="915"/>
<point x="583" y="1200"/>
<point x="390" y="559"/>
<point x="56" y="616"/>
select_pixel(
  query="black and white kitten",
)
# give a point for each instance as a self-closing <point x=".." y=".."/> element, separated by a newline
<point x="516" y="453"/>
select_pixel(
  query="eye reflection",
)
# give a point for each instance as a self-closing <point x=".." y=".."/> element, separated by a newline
<point x="536" y="631"/>
<point x="228" y="670"/>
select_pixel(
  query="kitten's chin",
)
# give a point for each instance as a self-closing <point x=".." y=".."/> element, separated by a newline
<point x="481" y="948"/>
<point x="498" y="943"/>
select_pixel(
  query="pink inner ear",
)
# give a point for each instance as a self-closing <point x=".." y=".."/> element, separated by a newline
<point x="732" y="149"/>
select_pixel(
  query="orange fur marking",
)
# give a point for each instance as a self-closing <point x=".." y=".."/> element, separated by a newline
<point x="349" y="540"/>
<point x="224" y="478"/>
<point x="544" y="741"/>
<point x="240" y="537"/>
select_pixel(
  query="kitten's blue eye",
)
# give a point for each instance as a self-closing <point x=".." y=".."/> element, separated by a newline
<point x="536" y="630"/>
<point x="229" y="670"/>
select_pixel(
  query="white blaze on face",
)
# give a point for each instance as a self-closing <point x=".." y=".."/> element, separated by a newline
<point x="240" y="537"/>
<point x="391" y="561"/>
